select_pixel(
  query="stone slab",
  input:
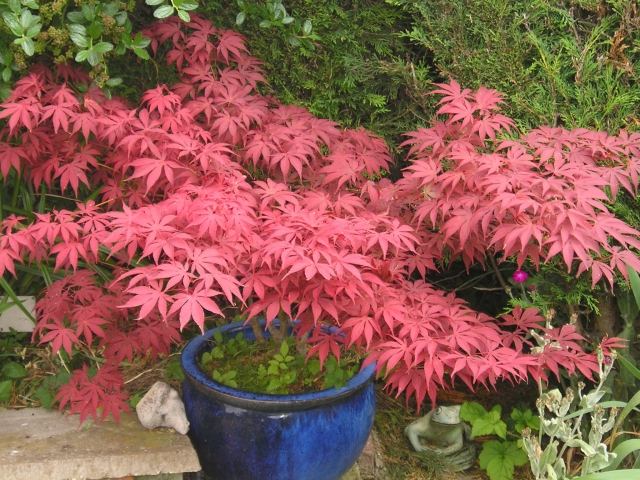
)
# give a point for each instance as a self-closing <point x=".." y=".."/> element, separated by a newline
<point x="42" y="444"/>
<point x="14" y="318"/>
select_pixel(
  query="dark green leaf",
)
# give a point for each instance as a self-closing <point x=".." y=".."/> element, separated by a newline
<point x="525" y="419"/>
<point x="153" y="3"/>
<point x="5" y="391"/>
<point x="135" y="399"/>
<point x="88" y="12"/>
<point x="45" y="396"/>
<point x="140" y="41"/>
<point x="76" y="17"/>
<point x="142" y="53"/>
<point x="94" y="30"/>
<point x="13" y="370"/>
<point x="114" y="82"/>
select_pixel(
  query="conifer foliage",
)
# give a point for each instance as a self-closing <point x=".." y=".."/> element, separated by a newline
<point x="212" y="196"/>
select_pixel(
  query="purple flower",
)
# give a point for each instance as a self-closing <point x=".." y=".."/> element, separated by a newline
<point x="520" y="276"/>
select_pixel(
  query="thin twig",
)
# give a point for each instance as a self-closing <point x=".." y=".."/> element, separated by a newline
<point x="501" y="280"/>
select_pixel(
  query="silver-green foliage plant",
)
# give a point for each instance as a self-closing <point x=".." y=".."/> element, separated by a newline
<point x="582" y="421"/>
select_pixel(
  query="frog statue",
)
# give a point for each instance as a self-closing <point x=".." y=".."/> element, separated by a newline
<point x="446" y="435"/>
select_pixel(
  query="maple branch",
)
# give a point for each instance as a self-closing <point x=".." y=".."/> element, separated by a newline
<point x="501" y="280"/>
<point x="281" y="332"/>
<point x="257" y="331"/>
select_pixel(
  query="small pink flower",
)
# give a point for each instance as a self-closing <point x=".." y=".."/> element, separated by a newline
<point x="520" y="276"/>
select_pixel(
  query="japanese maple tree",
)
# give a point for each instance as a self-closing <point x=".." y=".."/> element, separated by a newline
<point x="210" y="198"/>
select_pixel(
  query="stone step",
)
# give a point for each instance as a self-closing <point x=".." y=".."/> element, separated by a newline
<point x="45" y="445"/>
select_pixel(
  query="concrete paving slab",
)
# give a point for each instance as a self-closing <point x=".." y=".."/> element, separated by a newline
<point x="42" y="444"/>
<point x="14" y="318"/>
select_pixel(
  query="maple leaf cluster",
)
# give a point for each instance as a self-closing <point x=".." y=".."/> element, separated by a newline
<point x="212" y="197"/>
<point x="536" y="198"/>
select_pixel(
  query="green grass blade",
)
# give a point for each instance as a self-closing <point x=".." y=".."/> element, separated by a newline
<point x="622" y="451"/>
<point x="629" y="366"/>
<point x="609" y="404"/>
<point x="631" y="405"/>
<point x="615" y="475"/>
<point x="634" y="281"/>
<point x="14" y="298"/>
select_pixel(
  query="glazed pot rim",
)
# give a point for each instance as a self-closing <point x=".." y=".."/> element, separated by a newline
<point x="262" y="401"/>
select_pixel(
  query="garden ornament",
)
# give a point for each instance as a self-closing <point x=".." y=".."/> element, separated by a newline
<point x="445" y="433"/>
<point x="162" y="407"/>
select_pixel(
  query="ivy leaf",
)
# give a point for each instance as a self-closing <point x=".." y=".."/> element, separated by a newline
<point x="499" y="459"/>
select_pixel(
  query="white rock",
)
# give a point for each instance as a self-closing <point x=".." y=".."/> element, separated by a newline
<point x="162" y="407"/>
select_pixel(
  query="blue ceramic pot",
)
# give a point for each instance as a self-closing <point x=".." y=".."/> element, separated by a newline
<point x="250" y="436"/>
